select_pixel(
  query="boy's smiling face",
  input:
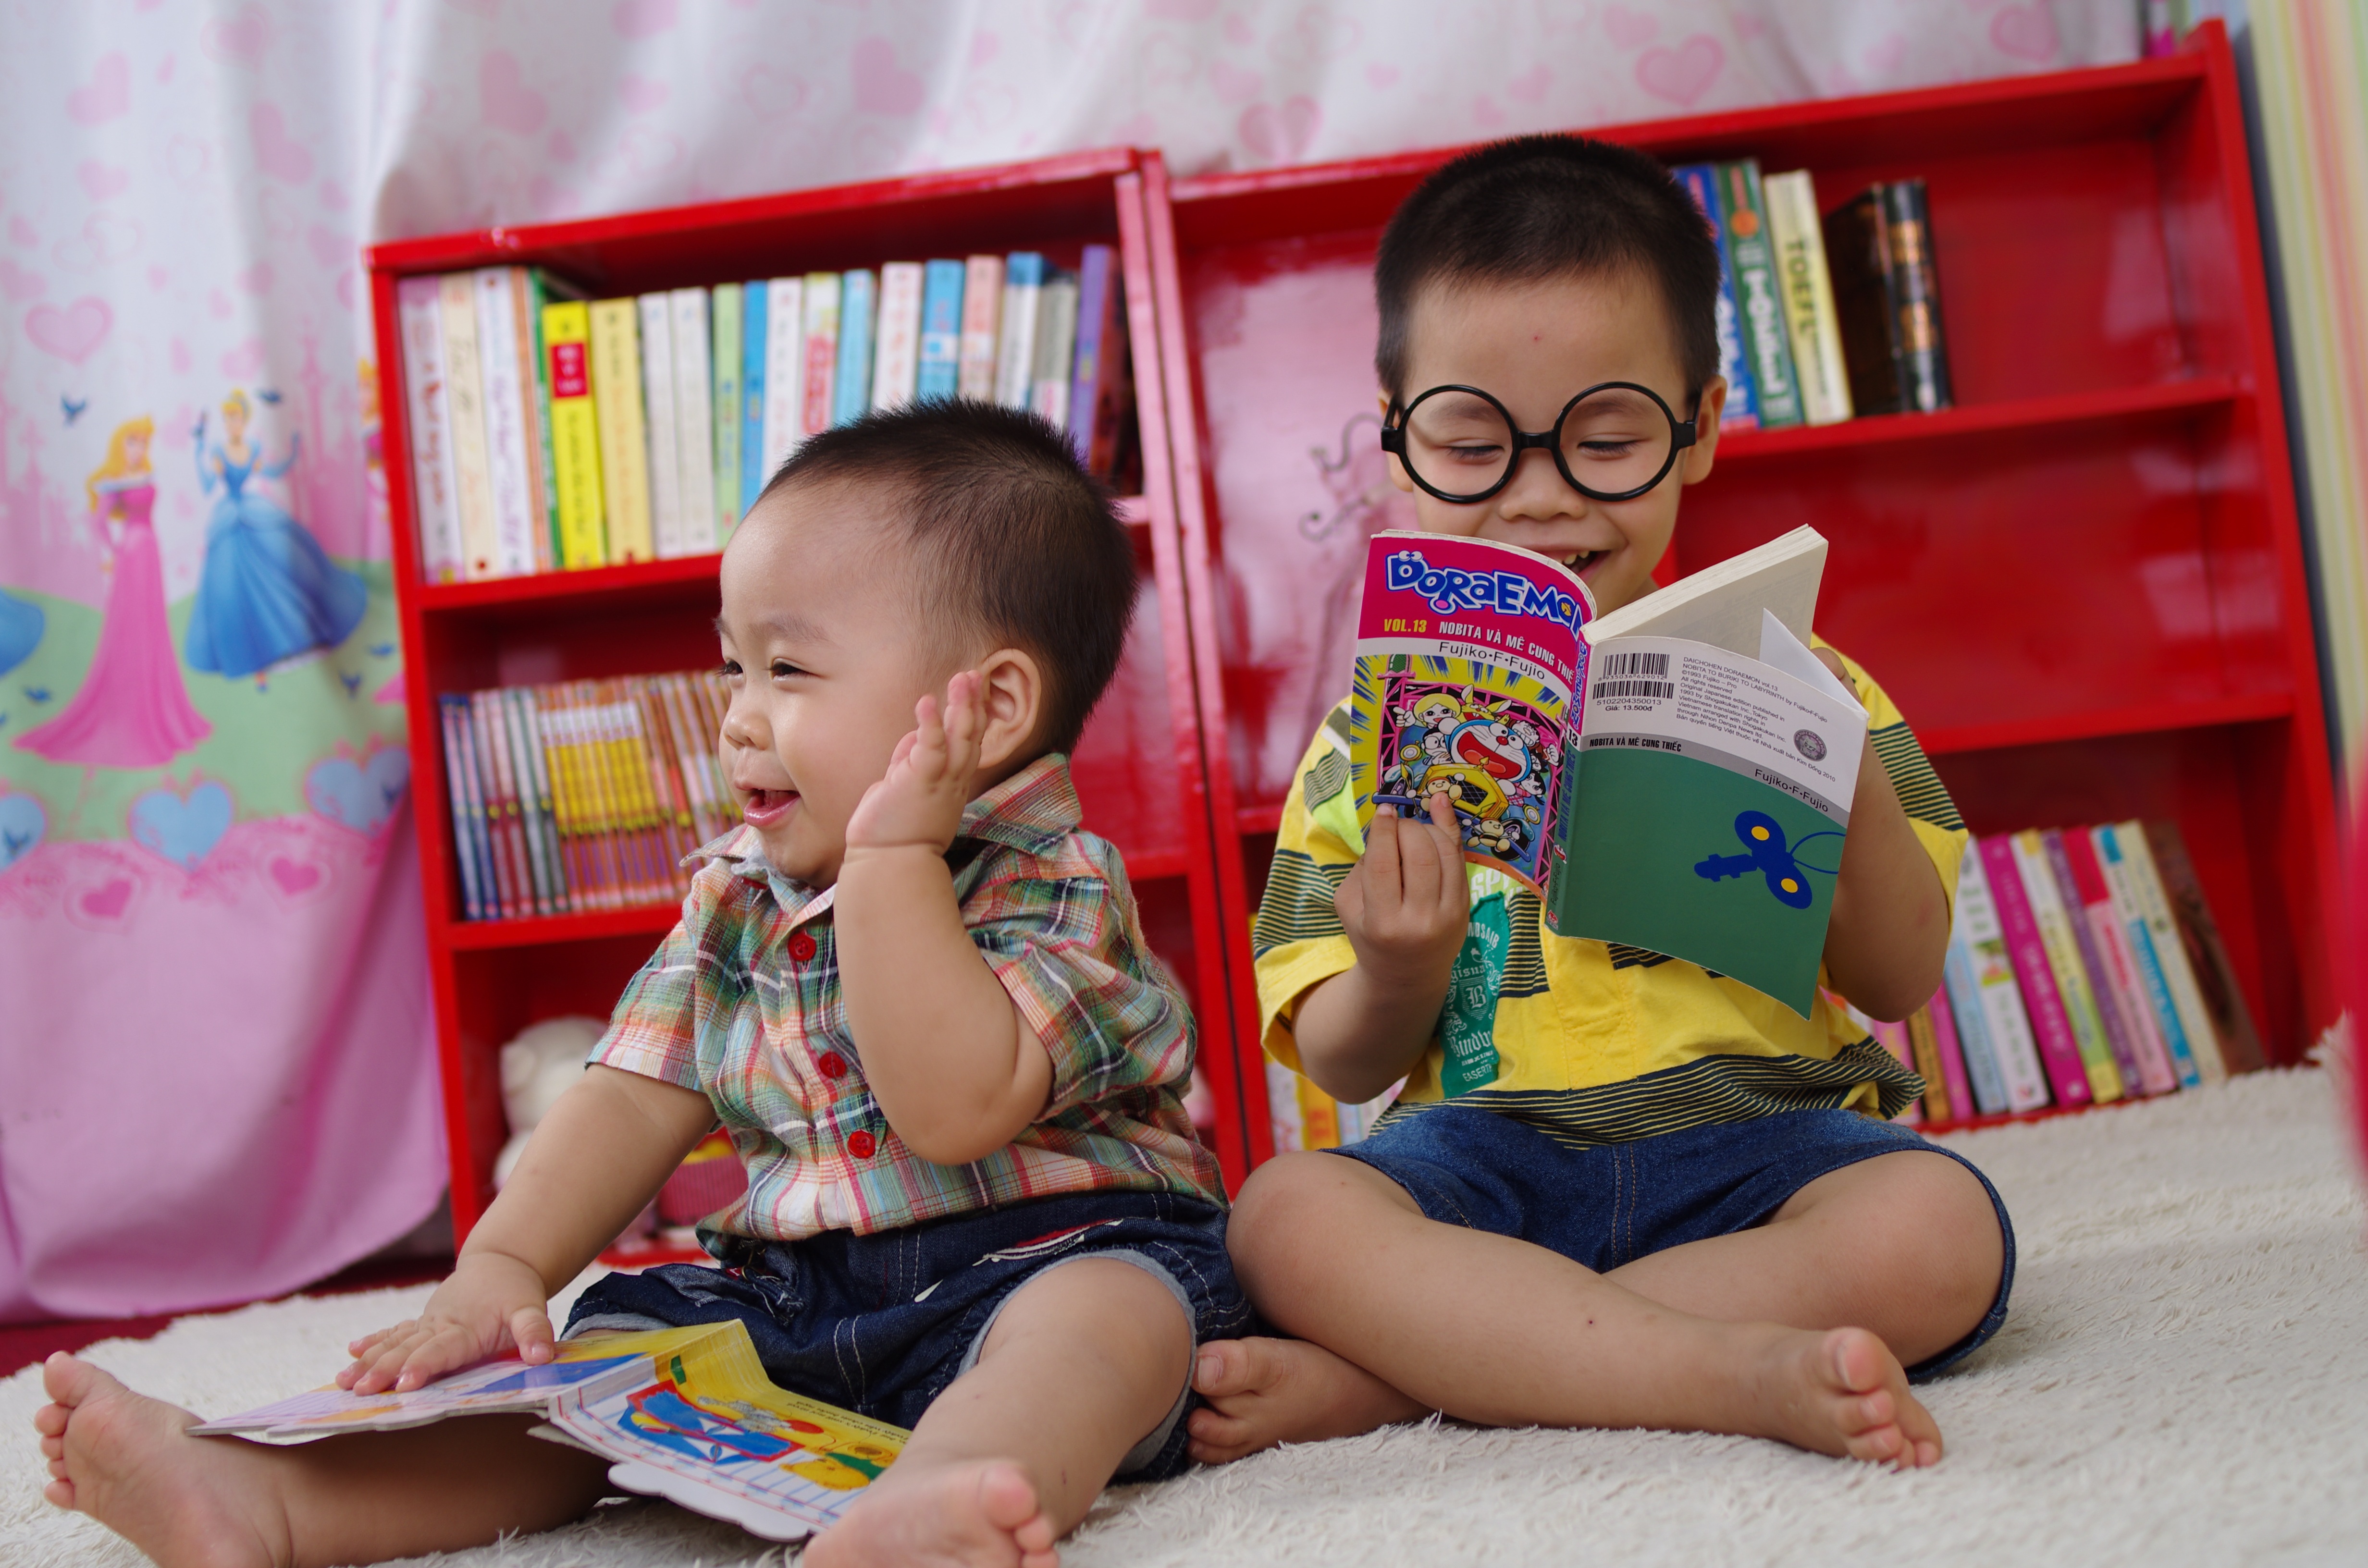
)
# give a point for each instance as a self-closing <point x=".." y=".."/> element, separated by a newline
<point x="1534" y="347"/>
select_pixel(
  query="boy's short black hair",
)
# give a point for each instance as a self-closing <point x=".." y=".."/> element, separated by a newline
<point x="1011" y="536"/>
<point x="1540" y="207"/>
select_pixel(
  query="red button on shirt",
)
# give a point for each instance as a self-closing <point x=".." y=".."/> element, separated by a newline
<point x="861" y="1145"/>
<point x="833" y="1064"/>
<point x="802" y="946"/>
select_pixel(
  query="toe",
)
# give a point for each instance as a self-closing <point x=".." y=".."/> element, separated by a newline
<point x="70" y="1380"/>
<point x="1007" y="1496"/>
<point x="50" y="1421"/>
<point x="59" y="1494"/>
<point x="1224" y="1367"/>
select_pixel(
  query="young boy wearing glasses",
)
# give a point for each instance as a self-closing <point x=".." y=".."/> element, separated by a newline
<point x="1677" y="1205"/>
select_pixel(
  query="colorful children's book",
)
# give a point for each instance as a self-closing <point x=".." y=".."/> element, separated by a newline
<point x="694" y="406"/>
<point x="2153" y="937"/>
<point x="1056" y="350"/>
<point x="517" y="518"/>
<point x="1015" y="354"/>
<point x="435" y="485"/>
<point x="858" y="305"/>
<point x="1100" y="330"/>
<point x="665" y="428"/>
<point x="1809" y="289"/>
<point x="982" y="327"/>
<point x="2000" y="1057"/>
<point x="2051" y="1031"/>
<point x="2207" y="955"/>
<point x="1948" y="1049"/>
<point x="822" y="352"/>
<point x="1759" y="293"/>
<point x="2121" y="1044"/>
<point x="575" y="456"/>
<point x="624" y="433"/>
<point x="939" y="372"/>
<point x="785" y="371"/>
<point x="1742" y="413"/>
<point x="896" y="358"/>
<point x="684" y="1414"/>
<point x="531" y="289"/>
<point x="2154" y="1073"/>
<point x="724" y="358"/>
<point x="465" y="393"/>
<point x="756" y="307"/>
<point x="2066" y="966"/>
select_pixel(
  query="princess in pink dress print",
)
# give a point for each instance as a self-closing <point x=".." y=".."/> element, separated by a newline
<point x="132" y="710"/>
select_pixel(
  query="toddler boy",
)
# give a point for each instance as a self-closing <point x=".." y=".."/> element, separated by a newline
<point x="1674" y="1206"/>
<point x="917" y="996"/>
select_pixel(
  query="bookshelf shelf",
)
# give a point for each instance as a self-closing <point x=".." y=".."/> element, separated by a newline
<point x="2084" y="583"/>
<point x="547" y="930"/>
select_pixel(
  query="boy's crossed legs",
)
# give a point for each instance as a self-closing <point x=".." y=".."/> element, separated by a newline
<point x="1087" y="1359"/>
<point x="1893" y="1258"/>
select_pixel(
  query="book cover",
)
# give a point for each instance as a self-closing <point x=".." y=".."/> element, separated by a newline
<point x="694" y="412"/>
<point x="576" y="455"/>
<point x="428" y="413"/>
<point x="1099" y="308"/>
<point x="465" y="393"/>
<point x="2065" y="967"/>
<point x="896" y="358"/>
<point x="2177" y="1016"/>
<point x="2155" y="1072"/>
<point x="1759" y="293"/>
<point x="1918" y="337"/>
<point x="724" y="356"/>
<point x="1808" y="292"/>
<point x="858" y="300"/>
<point x="508" y="469"/>
<point x="1886" y="296"/>
<point x="756" y="350"/>
<point x="1056" y="350"/>
<point x="531" y="289"/>
<point x="1924" y="1046"/>
<point x="2051" y="1030"/>
<point x="1742" y="413"/>
<point x="785" y="371"/>
<point x="464" y="839"/>
<point x="1990" y="1003"/>
<point x="939" y="371"/>
<point x="2207" y="955"/>
<point x="2095" y="965"/>
<point x="664" y="424"/>
<point x="1015" y="354"/>
<point x="821" y="353"/>
<point x="982" y="327"/>
<point x="624" y="436"/>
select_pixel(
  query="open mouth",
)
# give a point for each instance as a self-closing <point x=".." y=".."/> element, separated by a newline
<point x="763" y="808"/>
<point x="1579" y="561"/>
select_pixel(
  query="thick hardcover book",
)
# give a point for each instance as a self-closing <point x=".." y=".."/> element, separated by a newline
<point x="1742" y="412"/>
<point x="624" y="433"/>
<point x="785" y="371"/>
<point x="1056" y="350"/>
<point x="1759" y="293"/>
<point x="982" y="327"/>
<point x="576" y="457"/>
<point x="2051" y="1030"/>
<point x="1015" y="354"/>
<point x="937" y="372"/>
<point x="725" y="357"/>
<point x="2053" y="923"/>
<point x="756" y="307"/>
<point x="858" y="304"/>
<point x="822" y="352"/>
<point x="1807" y="287"/>
<point x="464" y="385"/>
<point x="2156" y="1072"/>
<point x="435" y="498"/>
<point x="1991" y="994"/>
<point x="896" y="358"/>
<point x="2121" y="1044"/>
<point x="694" y="409"/>
<point x="2178" y="1007"/>
<point x="665" y="426"/>
<point x="518" y="519"/>
<point x="1887" y="295"/>
<point x="2207" y="955"/>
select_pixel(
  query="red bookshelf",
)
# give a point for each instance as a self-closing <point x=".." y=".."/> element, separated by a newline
<point x="2084" y="585"/>
<point x="1138" y="768"/>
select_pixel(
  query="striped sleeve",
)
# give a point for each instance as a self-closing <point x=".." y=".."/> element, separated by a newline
<point x="1296" y="939"/>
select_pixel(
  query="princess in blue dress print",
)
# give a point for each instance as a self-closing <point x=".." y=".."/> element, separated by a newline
<point x="268" y="592"/>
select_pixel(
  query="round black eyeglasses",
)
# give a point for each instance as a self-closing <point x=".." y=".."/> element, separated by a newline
<point x="1613" y="442"/>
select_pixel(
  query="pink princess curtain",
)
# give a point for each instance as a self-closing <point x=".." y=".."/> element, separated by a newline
<point x="217" y="1080"/>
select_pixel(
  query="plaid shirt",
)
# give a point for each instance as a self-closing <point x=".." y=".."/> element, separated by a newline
<point x="742" y="1003"/>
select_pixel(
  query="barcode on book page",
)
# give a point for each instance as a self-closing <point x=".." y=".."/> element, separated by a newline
<point x="1656" y="689"/>
<point x="1632" y="663"/>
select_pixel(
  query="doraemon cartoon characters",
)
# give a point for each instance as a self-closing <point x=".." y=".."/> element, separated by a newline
<point x="1491" y="760"/>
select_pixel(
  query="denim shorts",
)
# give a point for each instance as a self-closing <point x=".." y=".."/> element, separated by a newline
<point x="1617" y="1202"/>
<point x="881" y="1324"/>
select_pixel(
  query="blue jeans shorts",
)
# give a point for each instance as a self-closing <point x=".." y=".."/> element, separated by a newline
<point x="881" y="1324"/>
<point x="1613" y="1204"/>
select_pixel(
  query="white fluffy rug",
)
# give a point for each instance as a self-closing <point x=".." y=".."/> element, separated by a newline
<point x="2184" y="1379"/>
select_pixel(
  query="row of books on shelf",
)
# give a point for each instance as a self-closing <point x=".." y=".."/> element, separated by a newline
<point x="582" y="795"/>
<point x="550" y="432"/>
<point x="1822" y="319"/>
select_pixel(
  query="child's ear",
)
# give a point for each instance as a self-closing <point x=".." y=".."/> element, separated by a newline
<point x="1011" y="688"/>
<point x="1397" y="469"/>
<point x="1700" y="455"/>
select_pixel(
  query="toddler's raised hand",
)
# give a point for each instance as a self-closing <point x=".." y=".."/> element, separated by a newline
<point x="1405" y="903"/>
<point x="491" y="1304"/>
<point x="919" y="803"/>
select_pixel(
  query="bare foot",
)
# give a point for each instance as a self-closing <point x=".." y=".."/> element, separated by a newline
<point x="122" y="1459"/>
<point x="982" y="1514"/>
<point x="1264" y="1391"/>
<point x="1843" y="1392"/>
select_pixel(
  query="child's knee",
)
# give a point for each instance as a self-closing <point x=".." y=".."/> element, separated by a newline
<point x="1950" y="1224"/>
<point x="1281" y="1200"/>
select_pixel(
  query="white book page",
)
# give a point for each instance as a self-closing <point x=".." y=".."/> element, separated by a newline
<point x="1721" y="604"/>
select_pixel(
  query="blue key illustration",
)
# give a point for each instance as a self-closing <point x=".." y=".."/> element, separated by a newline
<point x="1766" y="852"/>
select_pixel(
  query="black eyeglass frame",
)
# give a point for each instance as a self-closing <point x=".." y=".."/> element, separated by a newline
<point x="1682" y="434"/>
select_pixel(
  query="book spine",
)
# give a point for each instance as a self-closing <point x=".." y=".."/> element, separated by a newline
<point x="2065" y="966"/>
<point x="1759" y="294"/>
<point x="2155" y="1071"/>
<point x="576" y="455"/>
<point x="708" y="816"/>
<point x="1056" y="351"/>
<point x="1893" y="1038"/>
<point x="1924" y="1044"/>
<point x="550" y="886"/>
<point x="449" y="710"/>
<point x="632" y="762"/>
<point x="465" y="385"/>
<point x="1859" y="256"/>
<point x="694" y="412"/>
<point x="624" y="441"/>
<point x="755" y="348"/>
<point x="821" y="350"/>
<point x="1097" y="320"/>
<point x="896" y="362"/>
<point x="665" y="776"/>
<point x="1809" y="289"/>
<point x="1948" y="1045"/>
<point x="858" y="298"/>
<point x="1917" y="338"/>
<point x="434" y="500"/>
<point x="596" y="817"/>
<point x="506" y="425"/>
<point x="2130" y="908"/>
<point x="982" y="327"/>
<point x="785" y="372"/>
<point x="512" y="892"/>
<point x="664" y="424"/>
<point x="1997" y="997"/>
<point x="1982" y="1077"/>
<point x="2059" y="1054"/>
<point x="938" y="373"/>
<point x="2207" y="955"/>
<point x="1701" y="182"/>
<point x="1015" y="356"/>
<point x="536" y="778"/>
<point x="2120" y="1044"/>
<point x="724" y="360"/>
<point x="527" y="297"/>
<point x="567" y="806"/>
